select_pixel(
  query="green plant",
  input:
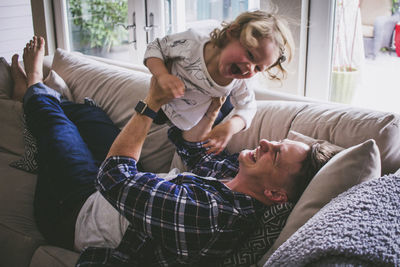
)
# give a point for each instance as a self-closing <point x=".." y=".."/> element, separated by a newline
<point x="99" y="20"/>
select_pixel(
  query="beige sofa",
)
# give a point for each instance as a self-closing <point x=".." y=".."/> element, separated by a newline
<point x="116" y="87"/>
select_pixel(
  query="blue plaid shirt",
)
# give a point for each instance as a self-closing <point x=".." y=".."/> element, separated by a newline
<point x="190" y="220"/>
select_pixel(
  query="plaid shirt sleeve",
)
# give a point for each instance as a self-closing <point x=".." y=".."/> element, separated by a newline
<point x="181" y="214"/>
<point x="194" y="155"/>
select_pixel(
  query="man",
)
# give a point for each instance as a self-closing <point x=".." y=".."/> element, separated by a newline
<point x="187" y="219"/>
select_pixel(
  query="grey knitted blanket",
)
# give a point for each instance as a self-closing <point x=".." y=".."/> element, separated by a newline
<point x="360" y="227"/>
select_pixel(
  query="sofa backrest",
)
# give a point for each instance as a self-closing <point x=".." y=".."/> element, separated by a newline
<point x="342" y="125"/>
<point x="117" y="89"/>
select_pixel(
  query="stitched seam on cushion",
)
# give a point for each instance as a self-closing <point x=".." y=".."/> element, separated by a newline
<point x="16" y="231"/>
<point x="295" y="116"/>
<point x="52" y="256"/>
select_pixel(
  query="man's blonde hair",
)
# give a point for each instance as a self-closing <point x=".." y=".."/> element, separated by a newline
<point x="250" y="27"/>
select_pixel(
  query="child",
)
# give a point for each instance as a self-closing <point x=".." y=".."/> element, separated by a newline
<point x="216" y="66"/>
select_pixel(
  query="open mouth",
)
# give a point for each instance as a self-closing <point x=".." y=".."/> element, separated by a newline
<point x="237" y="71"/>
<point x="253" y="155"/>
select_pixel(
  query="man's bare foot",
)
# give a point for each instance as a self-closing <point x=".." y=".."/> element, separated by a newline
<point x="33" y="60"/>
<point x="19" y="77"/>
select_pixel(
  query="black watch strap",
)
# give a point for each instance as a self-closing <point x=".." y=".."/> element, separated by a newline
<point x="143" y="109"/>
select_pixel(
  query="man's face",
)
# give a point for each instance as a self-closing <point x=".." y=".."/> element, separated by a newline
<point x="274" y="162"/>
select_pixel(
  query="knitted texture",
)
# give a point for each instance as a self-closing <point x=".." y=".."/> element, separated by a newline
<point x="361" y="225"/>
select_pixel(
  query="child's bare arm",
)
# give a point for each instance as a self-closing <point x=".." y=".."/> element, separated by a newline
<point x="220" y="135"/>
<point x="201" y="130"/>
<point x="162" y="74"/>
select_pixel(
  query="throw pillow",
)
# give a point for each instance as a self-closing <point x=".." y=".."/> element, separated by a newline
<point x="54" y="81"/>
<point x="11" y="139"/>
<point x="350" y="167"/>
<point x="266" y="232"/>
<point x="28" y="162"/>
<point x="116" y="90"/>
<point x="6" y="82"/>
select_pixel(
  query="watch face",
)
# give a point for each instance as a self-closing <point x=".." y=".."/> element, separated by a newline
<point x="140" y="107"/>
<point x="143" y="109"/>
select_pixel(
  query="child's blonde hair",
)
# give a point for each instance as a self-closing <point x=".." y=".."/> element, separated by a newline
<point x="249" y="27"/>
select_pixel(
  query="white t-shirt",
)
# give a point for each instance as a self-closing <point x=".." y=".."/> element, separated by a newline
<point x="185" y="49"/>
<point x="100" y="225"/>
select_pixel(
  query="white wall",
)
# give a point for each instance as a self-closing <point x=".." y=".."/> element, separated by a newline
<point x="16" y="26"/>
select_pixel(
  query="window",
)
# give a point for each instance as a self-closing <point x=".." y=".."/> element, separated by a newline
<point x="344" y="63"/>
<point x="147" y="19"/>
<point x="121" y="29"/>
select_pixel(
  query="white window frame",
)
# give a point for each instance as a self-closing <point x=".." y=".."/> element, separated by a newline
<point x="319" y="50"/>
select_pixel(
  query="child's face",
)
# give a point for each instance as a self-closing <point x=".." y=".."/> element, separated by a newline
<point x="239" y="62"/>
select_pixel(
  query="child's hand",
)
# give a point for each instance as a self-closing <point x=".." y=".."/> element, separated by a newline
<point x="171" y="83"/>
<point x="218" y="138"/>
<point x="220" y="135"/>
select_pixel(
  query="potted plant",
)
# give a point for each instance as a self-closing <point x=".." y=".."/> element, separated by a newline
<point x="98" y="23"/>
<point x="347" y="42"/>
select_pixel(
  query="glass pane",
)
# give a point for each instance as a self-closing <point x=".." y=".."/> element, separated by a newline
<point x="97" y="27"/>
<point x="203" y="15"/>
<point x="218" y="10"/>
<point x="291" y="83"/>
<point x="365" y="63"/>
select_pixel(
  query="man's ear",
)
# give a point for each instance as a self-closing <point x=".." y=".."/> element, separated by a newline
<point x="276" y="196"/>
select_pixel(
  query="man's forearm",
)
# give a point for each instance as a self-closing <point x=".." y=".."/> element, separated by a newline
<point x="130" y="140"/>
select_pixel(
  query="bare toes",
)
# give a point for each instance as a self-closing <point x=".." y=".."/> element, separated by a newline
<point x="14" y="58"/>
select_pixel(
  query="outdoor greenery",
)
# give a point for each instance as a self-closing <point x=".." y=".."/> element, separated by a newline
<point x="99" y="21"/>
<point x="395" y="6"/>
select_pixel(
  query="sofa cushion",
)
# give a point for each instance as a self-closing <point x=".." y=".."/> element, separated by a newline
<point x="6" y="82"/>
<point x="19" y="237"/>
<point x="54" y="257"/>
<point x="347" y="126"/>
<point x="11" y="139"/>
<point x="53" y="80"/>
<point x="350" y="167"/>
<point x="272" y="121"/>
<point x="293" y="135"/>
<point x="28" y="162"/>
<point x="116" y="90"/>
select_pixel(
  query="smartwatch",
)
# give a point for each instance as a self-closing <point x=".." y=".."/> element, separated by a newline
<point x="143" y="108"/>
